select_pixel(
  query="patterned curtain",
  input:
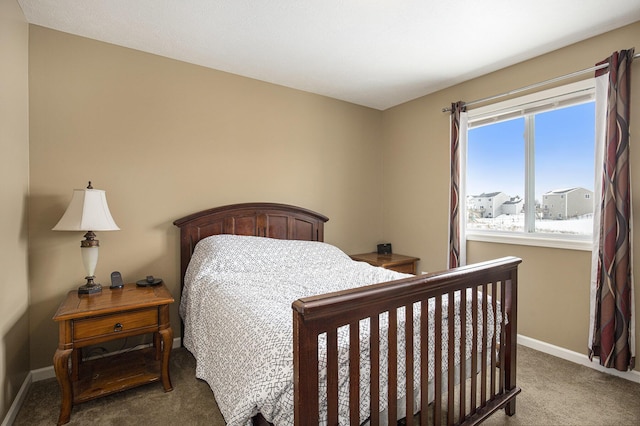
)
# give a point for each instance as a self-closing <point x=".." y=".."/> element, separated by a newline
<point x="612" y="333"/>
<point x="457" y="252"/>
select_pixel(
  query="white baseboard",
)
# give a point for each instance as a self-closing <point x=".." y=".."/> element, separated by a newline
<point x="36" y="376"/>
<point x="43" y="373"/>
<point x="575" y="357"/>
<point x="11" y="415"/>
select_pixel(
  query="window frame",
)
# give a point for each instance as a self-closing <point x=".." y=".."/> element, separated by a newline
<point x="570" y="94"/>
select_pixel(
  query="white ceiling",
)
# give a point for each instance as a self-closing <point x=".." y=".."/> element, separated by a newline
<point x="377" y="53"/>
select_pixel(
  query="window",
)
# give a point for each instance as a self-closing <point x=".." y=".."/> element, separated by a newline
<point x="538" y="148"/>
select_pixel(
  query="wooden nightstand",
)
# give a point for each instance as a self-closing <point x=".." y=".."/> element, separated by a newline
<point x="396" y="262"/>
<point x="112" y="314"/>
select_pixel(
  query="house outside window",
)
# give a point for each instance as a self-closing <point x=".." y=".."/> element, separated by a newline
<point x="576" y="204"/>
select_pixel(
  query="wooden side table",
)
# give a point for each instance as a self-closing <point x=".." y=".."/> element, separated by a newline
<point x="85" y="320"/>
<point x="396" y="262"/>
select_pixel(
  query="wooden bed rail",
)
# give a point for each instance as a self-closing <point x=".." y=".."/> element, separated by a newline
<point x="469" y="399"/>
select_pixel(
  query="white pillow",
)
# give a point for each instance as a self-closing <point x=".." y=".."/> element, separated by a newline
<point x="238" y="253"/>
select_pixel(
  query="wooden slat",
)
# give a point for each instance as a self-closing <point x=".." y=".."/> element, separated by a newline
<point x="375" y="370"/>
<point x="511" y="330"/>
<point x="354" y="373"/>
<point x="494" y="307"/>
<point x="483" y="361"/>
<point x="332" y="376"/>
<point x="424" y="362"/>
<point x="474" y="350"/>
<point x="392" y="366"/>
<point x="503" y="321"/>
<point x="451" y="360"/>
<point x="437" y="362"/>
<point x="408" y="342"/>
<point x="463" y="355"/>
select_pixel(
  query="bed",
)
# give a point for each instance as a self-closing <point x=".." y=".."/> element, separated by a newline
<point x="350" y="355"/>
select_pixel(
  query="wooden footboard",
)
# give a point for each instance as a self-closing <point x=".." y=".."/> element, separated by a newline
<point x="486" y="371"/>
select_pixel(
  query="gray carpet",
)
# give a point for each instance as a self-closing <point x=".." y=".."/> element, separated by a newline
<point x="554" y="392"/>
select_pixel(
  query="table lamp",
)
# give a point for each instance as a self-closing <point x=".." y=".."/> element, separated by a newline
<point x="88" y="211"/>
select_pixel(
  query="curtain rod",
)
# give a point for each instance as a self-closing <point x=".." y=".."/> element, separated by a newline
<point x="536" y="85"/>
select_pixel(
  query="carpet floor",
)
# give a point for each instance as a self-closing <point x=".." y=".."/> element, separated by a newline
<point x="554" y="392"/>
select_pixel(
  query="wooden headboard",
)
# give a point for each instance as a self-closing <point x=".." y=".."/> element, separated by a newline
<point x="258" y="219"/>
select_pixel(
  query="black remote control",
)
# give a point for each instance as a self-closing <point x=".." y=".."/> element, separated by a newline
<point x="116" y="280"/>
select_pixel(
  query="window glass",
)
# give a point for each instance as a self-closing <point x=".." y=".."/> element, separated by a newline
<point x="564" y="168"/>
<point x="495" y="170"/>
<point x="530" y="167"/>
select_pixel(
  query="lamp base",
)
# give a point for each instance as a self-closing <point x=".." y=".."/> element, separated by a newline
<point x="90" y="287"/>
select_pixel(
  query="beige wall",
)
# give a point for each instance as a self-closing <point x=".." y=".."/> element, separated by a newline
<point x="14" y="181"/>
<point x="165" y="139"/>
<point x="554" y="284"/>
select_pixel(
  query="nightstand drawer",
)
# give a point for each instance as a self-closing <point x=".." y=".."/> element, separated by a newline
<point x="114" y="324"/>
<point x="407" y="268"/>
<point x="393" y="261"/>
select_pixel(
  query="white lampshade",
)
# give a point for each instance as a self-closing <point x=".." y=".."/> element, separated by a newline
<point x="87" y="211"/>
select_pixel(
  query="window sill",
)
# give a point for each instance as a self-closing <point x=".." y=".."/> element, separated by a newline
<point x="567" y="242"/>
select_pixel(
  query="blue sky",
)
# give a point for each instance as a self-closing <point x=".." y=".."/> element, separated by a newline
<point x="564" y="153"/>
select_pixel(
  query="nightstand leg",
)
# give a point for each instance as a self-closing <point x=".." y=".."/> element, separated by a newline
<point x="61" y="367"/>
<point x="157" y="344"/>
<point x="167" y="344"/>
<point x="76" y="359"/>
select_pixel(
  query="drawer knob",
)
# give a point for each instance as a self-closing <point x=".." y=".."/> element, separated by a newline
<point x="117" y="327"/>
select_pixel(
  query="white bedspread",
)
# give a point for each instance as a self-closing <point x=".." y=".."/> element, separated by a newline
<point x="236" y="306"/>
